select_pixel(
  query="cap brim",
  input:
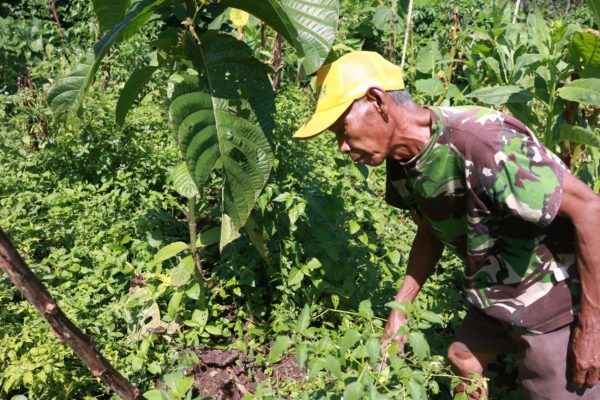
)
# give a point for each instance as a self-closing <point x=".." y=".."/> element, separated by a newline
<point x="320" y="121"/>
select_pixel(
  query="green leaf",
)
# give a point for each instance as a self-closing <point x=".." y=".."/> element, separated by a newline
<point x="66" y="94"/>
<point x="301" y="354"/>
<point x="332" y="365"/>
<point x="349" y="340"/>
<point x="208" y="237"/>
<point x="221" y="120"/>
<point x="131" y="91"/>
<point x="416" y="390"/>
<point x="373" y="349"/>
<point x="200" y="318"/>
<point x="309" y="25"/>
<point x="428" y="58"/>
<point x="584" y="54"/>
<point x="419" y="344"/>
<point x="396" y="305"/>
<point x="432" y="87"/>
<point x="178" y="383"/>
<point x="582" y="91"/>
<point x="170" y="250"/>
<point x="282" y="343"/>
<point x="181" y="274"/>
<point x="353" y="391"/>
<point x="364" y="309"/>
<point x="183" y="183"/>
<point x="156" y="394"/>
<point x="214" y="330"/>
<point x="174" y="304"/>
<point x="577" y="134"/>
<point x="303" y="319"/>
<point x="295" y="277"/>
<point x="109" y="13"/>
<point x="501" y="94"/>
<point x="432" y="317"/>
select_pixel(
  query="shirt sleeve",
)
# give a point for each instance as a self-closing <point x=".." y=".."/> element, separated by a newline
<point x="519" y="176"/>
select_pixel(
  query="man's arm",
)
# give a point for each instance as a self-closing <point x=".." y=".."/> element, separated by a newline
<point x="425" y="253"/>
<point x="582" y="206"/>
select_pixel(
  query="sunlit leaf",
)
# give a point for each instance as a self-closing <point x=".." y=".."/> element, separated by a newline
<point x="183" y="183"/>
<point x="579" y="135"/>
<point x="501" y="94"/>
<point x="419" y="344"/>
<point x="282" y="343"/>
<point x="309" y="25"/>
<point x="353" y="391"/>
<point x="170" y="250"/>
<point x="66" y="94"/>
<point x="584" y="54"/>
<point x="582" y="91"/>
<point x="221" y="118"/>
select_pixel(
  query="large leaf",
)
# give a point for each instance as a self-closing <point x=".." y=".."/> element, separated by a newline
<point x="183" y="183"/>
<point x="309" y="25"/>
<point x="584" y="54"/>
<point x="110" y="12"/>
<point x="579" y="135"/>
<point x="221" y="118"/>
<point x="428" y="58"/>
<point x="131" y="91"/>
<point x="582" y="91"/>
<point x="501" y="95"/>
<point x="67" y="94"/>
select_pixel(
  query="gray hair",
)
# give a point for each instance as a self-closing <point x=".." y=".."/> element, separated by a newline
<point x="402" y="97"/>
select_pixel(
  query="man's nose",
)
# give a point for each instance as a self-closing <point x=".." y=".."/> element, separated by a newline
<point x="344" y="148"/>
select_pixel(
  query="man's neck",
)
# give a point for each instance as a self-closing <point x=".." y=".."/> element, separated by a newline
<point x="412" y="132"/>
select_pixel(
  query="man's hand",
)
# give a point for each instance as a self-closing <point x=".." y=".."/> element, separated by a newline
<point x="585" y="352"/>
<point x="394" y="323"/>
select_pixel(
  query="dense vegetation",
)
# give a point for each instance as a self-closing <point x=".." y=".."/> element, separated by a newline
<point x="290" y="288"/>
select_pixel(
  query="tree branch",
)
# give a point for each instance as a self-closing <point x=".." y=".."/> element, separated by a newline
<point x="35" y="292"/>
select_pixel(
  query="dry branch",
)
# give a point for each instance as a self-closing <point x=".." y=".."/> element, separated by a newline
<point x="34" y="291"/>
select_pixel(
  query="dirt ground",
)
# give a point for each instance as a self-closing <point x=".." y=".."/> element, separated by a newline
<point x="230" y="374"/>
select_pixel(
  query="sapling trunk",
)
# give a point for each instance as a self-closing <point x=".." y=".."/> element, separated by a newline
<point x="193" y="227"/>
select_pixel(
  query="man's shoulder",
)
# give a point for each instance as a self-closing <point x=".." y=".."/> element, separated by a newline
<point x="476" y="131"/>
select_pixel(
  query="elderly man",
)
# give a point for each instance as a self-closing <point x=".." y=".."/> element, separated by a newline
<point x="478" y="182"/>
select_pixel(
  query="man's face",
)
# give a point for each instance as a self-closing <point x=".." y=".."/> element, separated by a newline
<point x="363" y="133"/>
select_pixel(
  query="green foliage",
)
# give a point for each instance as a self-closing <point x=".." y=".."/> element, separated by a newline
<point x="96" y="207"/>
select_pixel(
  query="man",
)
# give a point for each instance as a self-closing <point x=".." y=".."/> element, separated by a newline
<point x="478" y="182"/>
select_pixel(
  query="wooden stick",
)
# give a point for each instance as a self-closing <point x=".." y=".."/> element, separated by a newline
<point x="406" y="32"/>
<point x="35" y="292"/>
<point x="517" y="5"/>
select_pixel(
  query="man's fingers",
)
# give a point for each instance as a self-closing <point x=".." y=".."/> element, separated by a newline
<point x="579" y="377"/>
<point x="591" y="377"/>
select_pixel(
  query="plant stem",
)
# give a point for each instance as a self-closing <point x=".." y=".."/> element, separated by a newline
<point x="82" y="345"/>
<point x="452" y="55"/>
<point x="407" y="32"/>
<point x="193" y="238"/>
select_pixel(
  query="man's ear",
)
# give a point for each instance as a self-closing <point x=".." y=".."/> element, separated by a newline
<point x="378" y="99"/>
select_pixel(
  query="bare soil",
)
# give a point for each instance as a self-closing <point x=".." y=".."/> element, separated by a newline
<point x="230" y="374"/>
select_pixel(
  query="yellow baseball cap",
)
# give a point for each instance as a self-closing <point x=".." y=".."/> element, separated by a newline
<point x="345" y="80"/>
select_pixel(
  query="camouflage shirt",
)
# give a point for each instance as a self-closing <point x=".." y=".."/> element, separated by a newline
<point x="491" y="193"/>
